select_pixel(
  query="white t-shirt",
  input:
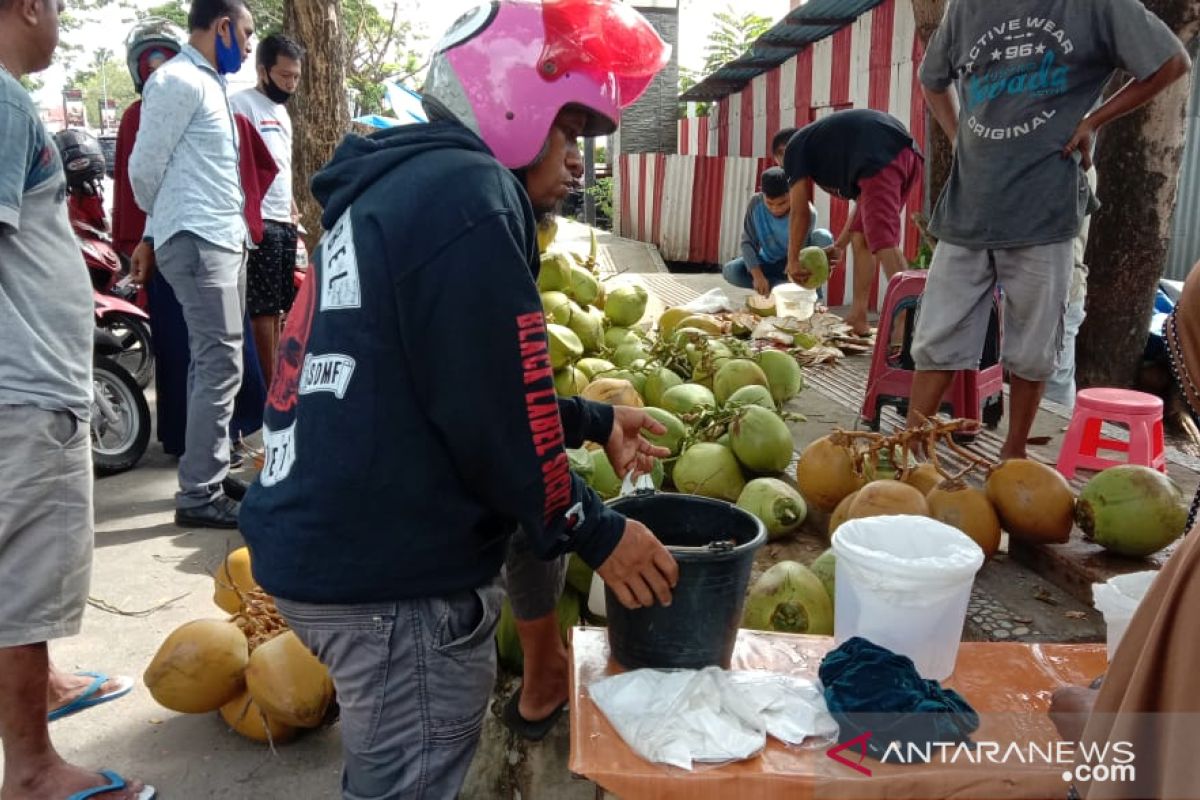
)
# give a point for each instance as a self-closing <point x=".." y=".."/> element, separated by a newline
<point x="275" y="127"/>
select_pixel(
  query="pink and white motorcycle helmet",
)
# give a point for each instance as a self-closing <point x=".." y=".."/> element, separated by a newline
<point x="506" y="68"/>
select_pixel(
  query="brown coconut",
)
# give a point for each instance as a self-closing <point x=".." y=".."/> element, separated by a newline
<point x="244" y="716"/>
<point x="288" y="682"/>
<point x="613" y="391"/>
<point x="1032" y="500"/>
<point x="923" y="477"/>
<point x="199" y="667"/>
<point x="885" y="498"/>
<point x="841" y="513"/>
<point x="969" y="510"/>
<point x="233" y="576"/>
<point x="825" y="474"/>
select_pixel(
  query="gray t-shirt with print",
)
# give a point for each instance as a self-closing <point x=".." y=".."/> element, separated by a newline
<point x="46" y="313"/>
<point x="1027" y="72"/>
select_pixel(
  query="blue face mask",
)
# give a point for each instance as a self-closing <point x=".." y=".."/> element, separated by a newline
<point x="229" y="56"/>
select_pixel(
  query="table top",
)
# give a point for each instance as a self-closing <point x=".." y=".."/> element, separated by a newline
<point x="1009" y="684"/>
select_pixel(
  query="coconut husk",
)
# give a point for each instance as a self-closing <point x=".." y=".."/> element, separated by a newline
<point x="259" y="620"/>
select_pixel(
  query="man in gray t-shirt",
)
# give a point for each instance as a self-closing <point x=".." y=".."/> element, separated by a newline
<point x="1027" y="74"/>
<point x="46" y="541"/>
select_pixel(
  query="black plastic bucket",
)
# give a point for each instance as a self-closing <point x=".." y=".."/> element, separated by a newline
<point x="700" y="626"/>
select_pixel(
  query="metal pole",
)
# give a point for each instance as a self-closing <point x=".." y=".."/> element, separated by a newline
<point x="589" y="180"/>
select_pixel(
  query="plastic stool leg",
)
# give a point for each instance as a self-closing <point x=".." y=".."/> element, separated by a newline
<point x="1068" y="453"/>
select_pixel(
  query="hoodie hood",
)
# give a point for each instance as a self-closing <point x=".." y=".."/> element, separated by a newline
<point x="359" y="161"/>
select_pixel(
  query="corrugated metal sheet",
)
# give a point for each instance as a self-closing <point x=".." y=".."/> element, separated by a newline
<point x="678" y="181"/>
<point x="1185" y="230"/>
<point x="741" y="181"/>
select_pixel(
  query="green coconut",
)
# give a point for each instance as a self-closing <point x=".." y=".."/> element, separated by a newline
<point x="676" y="430"/>
<point x="687" y="398"/>
<point x="789" y="598"/>
<point x="778" y="504"/>
<point x="508" y="643"/>
<point x="579" y="575"/>
<point x="816" y="262"/>
<point x="581" y="463"/>
<point x="626" y="305"/>
<point x="825" y="568"/>
<point x="734" y="375"/>
<point x="658" y="380"/>
<point x="565" y="346"/>
<point x="604" y="478"/>
<point x="593" y="367"/>
<point x="616" y="336"/>
<point x="635" y="377"/>
<point x="761" y="306"/>
<point x="570" y="381"/>
<point x="681" y="337"/>
<point x="783" y="374"/>
<point x="584" y="286"/>
<point x="558" y="307"/>
<point x="761" y="440"/>
<point x="628" y="353"/>
<point x="751" y="396"/>
<point x="1131" y="510"/>
<point x="554" y="274"/>
<point x="589" y="327"/>
<point x="709" y="470"/>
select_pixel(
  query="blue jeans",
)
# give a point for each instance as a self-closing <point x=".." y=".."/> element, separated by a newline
<point x="413" y="679"/>
<point x="737" y="273"/>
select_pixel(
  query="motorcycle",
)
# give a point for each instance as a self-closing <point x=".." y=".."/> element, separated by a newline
<point x="120" y="413"/>
<point x="116" y="300"/>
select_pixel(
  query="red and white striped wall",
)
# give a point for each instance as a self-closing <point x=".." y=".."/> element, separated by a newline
<point x="870" y="63"/>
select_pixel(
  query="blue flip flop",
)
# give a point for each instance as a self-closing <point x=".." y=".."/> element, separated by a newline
<point x="91" y="696"/>
<point x="115" y="784"/>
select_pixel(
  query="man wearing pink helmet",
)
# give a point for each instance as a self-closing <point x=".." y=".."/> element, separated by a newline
<point x="412" y="423"/>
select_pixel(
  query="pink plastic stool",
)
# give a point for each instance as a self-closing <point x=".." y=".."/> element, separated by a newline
<point x="1138" y="411"/>
<point x="975" y="394"/>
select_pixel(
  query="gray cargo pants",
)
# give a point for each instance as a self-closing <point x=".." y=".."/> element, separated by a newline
<point x="413" y="680"/>
<point x="210" y="283"/>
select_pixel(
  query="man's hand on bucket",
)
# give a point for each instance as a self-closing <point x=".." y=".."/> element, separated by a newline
<point x="640" y="571"/>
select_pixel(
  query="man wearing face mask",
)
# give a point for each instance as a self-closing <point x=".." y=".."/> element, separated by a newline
<point x="184" y="173"/>
<point x="269" y="267"/>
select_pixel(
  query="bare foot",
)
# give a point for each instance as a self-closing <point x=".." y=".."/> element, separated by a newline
<point x="64" y="688"/>
<point x="64" y="780"/>
<point x="541" y="698"/>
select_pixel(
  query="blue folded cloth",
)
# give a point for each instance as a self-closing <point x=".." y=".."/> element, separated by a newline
<point x="871" y="689"/>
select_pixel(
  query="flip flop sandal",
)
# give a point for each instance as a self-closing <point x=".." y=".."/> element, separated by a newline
<point x="115" y="784"/>
<point x="91" y="695"/>
<point x="532" y="730"/>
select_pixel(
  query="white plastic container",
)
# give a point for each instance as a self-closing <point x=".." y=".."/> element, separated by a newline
<point x="903" y="583"/>
<point x="1118" y="599"/>
<point x="794" y="301"/>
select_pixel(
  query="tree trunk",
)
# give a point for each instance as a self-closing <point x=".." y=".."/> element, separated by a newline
<point x="939" y="153"/>
<point x="1137" y="165"/>
<point x="320" y="114"/>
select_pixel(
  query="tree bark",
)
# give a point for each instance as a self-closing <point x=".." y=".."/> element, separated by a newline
<point x="939" y="152"/>
<point x="320" y="113"/>
<point x="1137" y="164"/>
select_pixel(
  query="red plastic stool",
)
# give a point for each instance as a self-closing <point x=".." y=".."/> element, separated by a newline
<point x="1141" y="413"/>
<point x="974" y="394"/>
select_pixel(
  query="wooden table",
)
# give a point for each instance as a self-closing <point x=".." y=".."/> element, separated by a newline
<point x="1008" y="684"/>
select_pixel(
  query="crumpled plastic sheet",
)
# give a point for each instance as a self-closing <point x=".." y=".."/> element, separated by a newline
<point x="714" y="301"/>
<point x="688" y="717"/>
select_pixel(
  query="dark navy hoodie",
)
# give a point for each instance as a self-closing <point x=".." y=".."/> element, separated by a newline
<point x="412" y="423"/>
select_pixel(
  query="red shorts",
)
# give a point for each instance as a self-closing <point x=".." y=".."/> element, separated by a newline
<point x="882" y="196"/>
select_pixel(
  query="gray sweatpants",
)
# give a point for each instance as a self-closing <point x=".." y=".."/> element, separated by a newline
<point x="534" y="586"/>
<point x="413" y="679"/>
<point x="210" y="283"/>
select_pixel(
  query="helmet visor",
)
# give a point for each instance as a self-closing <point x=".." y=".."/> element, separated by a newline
<point x="605" y="38"/>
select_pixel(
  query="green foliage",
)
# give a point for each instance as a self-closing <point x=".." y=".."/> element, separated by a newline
<point x="687" y="79"/>
<point x="378" y="46"/>
<point x="106" y="76"/>
<point x="732" y="36"/>
<point x="602" y="193"/>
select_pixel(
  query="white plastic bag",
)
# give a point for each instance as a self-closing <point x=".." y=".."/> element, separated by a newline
<point x="684" y="717"/>
<point x="714" y="301"/>
<point x="681" y="717"/>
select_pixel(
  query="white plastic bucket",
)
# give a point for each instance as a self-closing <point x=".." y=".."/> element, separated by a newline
<point x="794" y="301"/>
<point x="1117" y="599"/>
<point x="903" y="583"/>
